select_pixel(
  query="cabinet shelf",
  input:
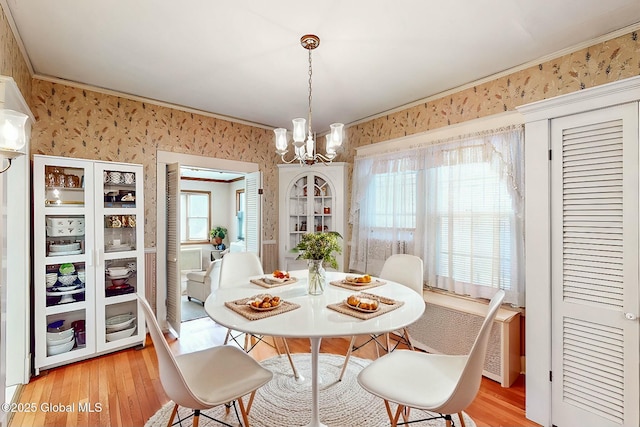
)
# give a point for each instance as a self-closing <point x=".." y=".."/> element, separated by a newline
<point x="64" y="210"/>
<point x="61" y="259"/>
<point x="70" y="189"/>
<point x="117" y="299"/>
<point x="66" y="308"/>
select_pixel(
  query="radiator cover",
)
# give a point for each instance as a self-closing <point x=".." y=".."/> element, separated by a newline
<point x="450" y="325"/>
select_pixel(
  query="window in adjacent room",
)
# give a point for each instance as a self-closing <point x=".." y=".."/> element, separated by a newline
<point x="195" y="218"/>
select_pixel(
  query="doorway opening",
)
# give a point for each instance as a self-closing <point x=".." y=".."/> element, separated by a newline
<point x="175" y="171"/>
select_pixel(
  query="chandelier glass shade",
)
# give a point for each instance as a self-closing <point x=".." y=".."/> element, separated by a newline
<point x="303" y="138"/>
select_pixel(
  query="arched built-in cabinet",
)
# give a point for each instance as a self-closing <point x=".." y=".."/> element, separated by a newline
<point x="311" y="199"/>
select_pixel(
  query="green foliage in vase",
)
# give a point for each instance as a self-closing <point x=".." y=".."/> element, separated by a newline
<point x="321" y="245"/>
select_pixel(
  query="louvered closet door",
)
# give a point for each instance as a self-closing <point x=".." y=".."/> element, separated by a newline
<point x="174" y="315"/>
<point x="595" y="348"/>
<point x="253" y="217"/>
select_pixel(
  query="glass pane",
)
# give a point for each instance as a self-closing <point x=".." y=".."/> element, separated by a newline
<point x="65" y="283"/>
<point x="198" y="229"/>
<point x="183" y="217"/>
<point x="119" y="189"/>
<point x="65" y="235"/>
<point x="198" y="205"/>
<point x="64" y="186"/>
<point x="119" y="233"/>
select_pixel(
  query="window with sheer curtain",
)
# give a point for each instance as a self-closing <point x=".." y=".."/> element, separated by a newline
<point x="457" y="204"/>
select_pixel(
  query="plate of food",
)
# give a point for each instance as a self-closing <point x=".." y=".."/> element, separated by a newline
<point x="362" y="303"/>
<point x="277" y="277"/>
<point x="264" y="302"/>
<point x="358" y="280"/>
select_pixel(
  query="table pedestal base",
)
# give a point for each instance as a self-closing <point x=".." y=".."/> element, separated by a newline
<point x="315" y="394"/>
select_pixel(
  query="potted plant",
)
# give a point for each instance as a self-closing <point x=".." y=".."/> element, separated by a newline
<point x="319" y="249"/>
<point x="217" y="235"/>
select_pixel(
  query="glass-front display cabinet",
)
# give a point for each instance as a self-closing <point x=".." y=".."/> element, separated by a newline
<point x="311" y="200"/>
<point x="88" y="258"/>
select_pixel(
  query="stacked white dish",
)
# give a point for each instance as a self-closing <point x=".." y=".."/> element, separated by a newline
<point x="51" y="278"/>
<point x="65" y="222"/>
<point x="125" y="333"/>
<point x="117" y="272"/>
<point x="60" y="342"/>
<point x="64" y="247"/>
<point x="120" y="326"/>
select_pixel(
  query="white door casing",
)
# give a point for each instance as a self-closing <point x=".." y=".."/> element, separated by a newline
<point x="594" y="268"/>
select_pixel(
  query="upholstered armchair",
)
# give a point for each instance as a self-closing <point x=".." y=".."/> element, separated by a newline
<point x="201" y="283"/>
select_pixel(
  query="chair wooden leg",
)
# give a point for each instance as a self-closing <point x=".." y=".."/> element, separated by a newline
<point x="250" y="402"/>
<point x="461" y="419"/>
<point x="393" y="418"/>
<point x="346" y="357"/>
<point x="276" y="346"/>
<point x="196" y="418"/>
<point x="293" y="366"/>
<point x="247" y="343"/>
<point x="405" y="414"/>
<point x="448" y="421"/>
<point x="406" y="335"/>
<point x="173" y="415"/>
<point x="226" y="338"/>
<point x="388" y="342"/>
<point x="243" y="411"/>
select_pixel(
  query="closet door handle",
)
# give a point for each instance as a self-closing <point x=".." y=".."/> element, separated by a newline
<point x="630" y="316"/>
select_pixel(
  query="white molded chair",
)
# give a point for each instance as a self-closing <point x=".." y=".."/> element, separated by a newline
<point x="438" y="383"/>
<point x="236" y="268"/>
<point x="407" y="270"/>
<point x="201" y="283"/>
<point x="203" y="379"/>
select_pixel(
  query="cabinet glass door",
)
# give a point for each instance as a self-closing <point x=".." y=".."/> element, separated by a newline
<point x="63" y="250"/>
<point x="310" y="207"/>
<point x="119" y="239"/>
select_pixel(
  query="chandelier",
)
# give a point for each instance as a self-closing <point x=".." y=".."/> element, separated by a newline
<point x="303" y="137"/>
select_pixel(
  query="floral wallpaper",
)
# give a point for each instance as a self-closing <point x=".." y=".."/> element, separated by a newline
<point x="80" y="123"/>
<point x="12" y="62"/>
<point x="606" y="62"/>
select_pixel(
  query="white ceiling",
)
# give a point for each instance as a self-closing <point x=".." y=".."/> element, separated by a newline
<point x="215" y="175"/>
<point x="242" y="58"/>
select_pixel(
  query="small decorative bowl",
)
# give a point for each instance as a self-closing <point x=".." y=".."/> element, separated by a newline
<point x="51" y="278"/>
<point x="67" y="279"/>
<point x="119" y="282"/>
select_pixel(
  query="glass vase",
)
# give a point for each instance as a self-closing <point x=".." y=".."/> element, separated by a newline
<point x="317" y="277"/>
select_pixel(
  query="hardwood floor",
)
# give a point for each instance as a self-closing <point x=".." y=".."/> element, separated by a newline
<point x="123" y="389"/>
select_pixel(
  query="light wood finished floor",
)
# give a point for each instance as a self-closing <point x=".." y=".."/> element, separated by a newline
<point x="127" y="387"/>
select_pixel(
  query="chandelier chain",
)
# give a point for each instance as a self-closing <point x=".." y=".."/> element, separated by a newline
<point x="310" y="75"/>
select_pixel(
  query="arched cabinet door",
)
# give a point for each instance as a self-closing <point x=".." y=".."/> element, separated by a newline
<point x="311" y="199"/>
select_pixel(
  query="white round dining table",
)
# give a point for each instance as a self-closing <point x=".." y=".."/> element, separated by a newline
<point x="313" y="319"/>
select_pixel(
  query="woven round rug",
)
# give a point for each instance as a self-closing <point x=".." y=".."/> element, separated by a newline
<point x="285" y="402"/>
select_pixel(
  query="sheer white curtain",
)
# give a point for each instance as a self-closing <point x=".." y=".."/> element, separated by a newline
<point x="458" y="204"/>
<point x="383" y="209"/>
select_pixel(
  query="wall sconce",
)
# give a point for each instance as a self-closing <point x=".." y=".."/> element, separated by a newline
<point x="13" y="135"/>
